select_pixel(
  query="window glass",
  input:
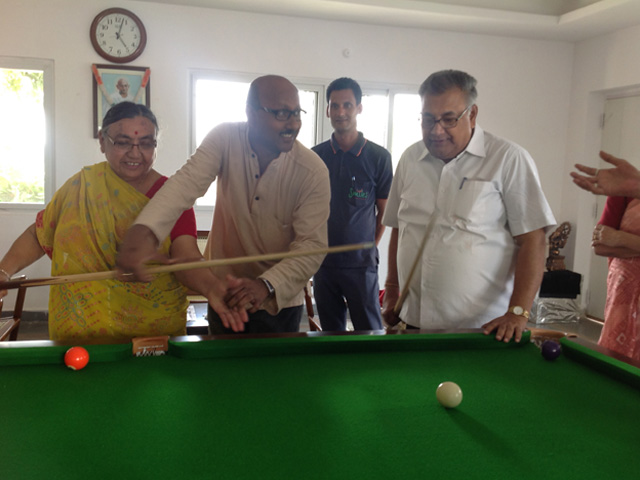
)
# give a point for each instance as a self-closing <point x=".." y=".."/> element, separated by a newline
<point x="389" y="117"/>
<point x="406" y="124"/>
<point x="217" y="102"/>
<point x="373" y="122"/>
<point x="309" y="130"/>
<point x="22" y="136"/>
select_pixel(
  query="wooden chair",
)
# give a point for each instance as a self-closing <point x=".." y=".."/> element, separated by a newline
<point x="202" y="237"/>
<point x="196" y="325"/>
<point x="314" y="325"/>
<point x="9" y="326"/>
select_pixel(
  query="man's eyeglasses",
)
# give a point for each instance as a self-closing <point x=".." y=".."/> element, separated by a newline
<point x="282" y="114"/>
<point x="428" y="121"/>
<point x="145" y="145"/>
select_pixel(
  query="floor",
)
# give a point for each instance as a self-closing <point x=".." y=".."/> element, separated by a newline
<point x="33" y="330"/>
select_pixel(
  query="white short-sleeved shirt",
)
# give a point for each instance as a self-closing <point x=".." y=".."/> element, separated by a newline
<point x="483" y="198"/>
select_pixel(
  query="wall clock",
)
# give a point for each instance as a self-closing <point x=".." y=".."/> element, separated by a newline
<point x="118" y="35"/>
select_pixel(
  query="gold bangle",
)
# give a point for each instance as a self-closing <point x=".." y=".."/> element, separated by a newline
<point x="2" y="270"/>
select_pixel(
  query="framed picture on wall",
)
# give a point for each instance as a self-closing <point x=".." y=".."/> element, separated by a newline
<point x="114" y="84"/>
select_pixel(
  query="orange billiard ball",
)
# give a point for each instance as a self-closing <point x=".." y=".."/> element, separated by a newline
<point x="76" y="358"/>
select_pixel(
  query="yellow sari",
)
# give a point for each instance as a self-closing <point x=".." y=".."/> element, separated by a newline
<point x="81" y="229"/>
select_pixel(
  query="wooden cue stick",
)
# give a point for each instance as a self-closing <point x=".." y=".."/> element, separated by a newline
<point x="405" y="288"/>
<point x="178" y="267"/>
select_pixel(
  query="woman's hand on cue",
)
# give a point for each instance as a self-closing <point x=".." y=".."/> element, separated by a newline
<point x="139" y="246"/>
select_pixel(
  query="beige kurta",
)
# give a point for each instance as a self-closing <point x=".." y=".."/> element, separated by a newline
<point x="284" y="209"/>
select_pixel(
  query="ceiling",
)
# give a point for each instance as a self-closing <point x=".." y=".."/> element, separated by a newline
<point x="567" y="20"/>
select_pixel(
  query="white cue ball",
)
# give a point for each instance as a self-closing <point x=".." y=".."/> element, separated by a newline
<point x="449" y="394"/>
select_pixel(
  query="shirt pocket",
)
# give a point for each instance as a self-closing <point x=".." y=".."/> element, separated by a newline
<point x="477" y="203"/>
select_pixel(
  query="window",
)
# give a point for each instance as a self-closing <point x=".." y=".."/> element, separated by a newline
<point x="218" y="100"/>
<point x="406" y="123"/>
<point x="395" y="132"/>
<point x="390" y="117"/>
<point x="373" y="122"/>
<point x="26" y="110"/>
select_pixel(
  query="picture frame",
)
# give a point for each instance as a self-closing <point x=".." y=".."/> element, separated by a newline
<point x="115" y="83"/>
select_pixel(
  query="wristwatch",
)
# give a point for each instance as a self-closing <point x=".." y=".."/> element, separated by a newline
<point x="518" y="310"/>
<point x="270" y="288"/>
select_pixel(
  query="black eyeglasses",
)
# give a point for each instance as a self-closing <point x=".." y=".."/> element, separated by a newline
<point x="428" y="121"/>
<point x="145" y="145"/>
<point x="282" y="114"/>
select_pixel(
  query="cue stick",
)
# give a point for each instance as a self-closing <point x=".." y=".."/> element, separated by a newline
<point x="178" y="267"/>
<point x="405" y="289"/>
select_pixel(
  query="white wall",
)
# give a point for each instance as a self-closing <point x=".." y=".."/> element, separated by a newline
<point x="525" y="86"/>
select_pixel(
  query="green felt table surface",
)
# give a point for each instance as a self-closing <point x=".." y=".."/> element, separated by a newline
<point x="328" y="407"/>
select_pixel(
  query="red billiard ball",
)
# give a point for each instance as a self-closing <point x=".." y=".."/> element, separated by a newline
<point x="76" y="358"/>
<point x="551" y="350"/>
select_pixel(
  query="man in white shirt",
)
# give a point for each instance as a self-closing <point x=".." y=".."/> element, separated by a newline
<point x="485" y="256"/>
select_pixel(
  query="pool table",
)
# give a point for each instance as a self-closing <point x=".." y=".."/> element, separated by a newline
<point x="316" y="406"/>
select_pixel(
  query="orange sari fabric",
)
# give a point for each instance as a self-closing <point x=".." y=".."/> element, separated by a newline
<point x="621" y="331"/>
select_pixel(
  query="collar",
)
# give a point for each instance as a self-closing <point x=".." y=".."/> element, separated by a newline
<point x="476" y="144"/>
<point x="356" y="150"/>
<point x="475" y="147"/>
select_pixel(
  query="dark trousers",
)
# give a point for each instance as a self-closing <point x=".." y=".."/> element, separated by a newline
<point x="336" y="288"/>
<point x="287" y="320"/>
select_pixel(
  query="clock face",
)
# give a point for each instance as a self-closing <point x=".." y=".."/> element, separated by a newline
<point x="118" y="35"/>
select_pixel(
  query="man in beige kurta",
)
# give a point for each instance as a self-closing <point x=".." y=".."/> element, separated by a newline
<point x="272" y="196"/>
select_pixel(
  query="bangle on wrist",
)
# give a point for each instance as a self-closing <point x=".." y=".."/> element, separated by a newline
<point x="2" y="270"/>
<point x="389" y="284"/>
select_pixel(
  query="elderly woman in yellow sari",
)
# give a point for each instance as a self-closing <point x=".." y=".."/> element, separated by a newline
<point x="81" y="228"/>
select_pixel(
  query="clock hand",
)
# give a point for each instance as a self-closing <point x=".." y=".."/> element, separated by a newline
<point x="119" y="32"/>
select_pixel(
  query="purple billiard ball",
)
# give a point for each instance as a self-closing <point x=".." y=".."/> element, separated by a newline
<point x="551" y="350"/>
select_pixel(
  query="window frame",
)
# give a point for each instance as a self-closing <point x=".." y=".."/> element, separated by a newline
<point x="202" y="74"/>
<point x="217" y="75"/>
<point x="47" y="68"/>
<point x="323" y="124"/>
<point x="391" y="91"/>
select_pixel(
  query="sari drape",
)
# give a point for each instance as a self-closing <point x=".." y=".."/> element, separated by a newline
<point x="80" y="230"/>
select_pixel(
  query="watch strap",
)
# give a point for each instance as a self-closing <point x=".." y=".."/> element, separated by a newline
<point x="270" y="288"/>
<point x="518" y="310"/>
